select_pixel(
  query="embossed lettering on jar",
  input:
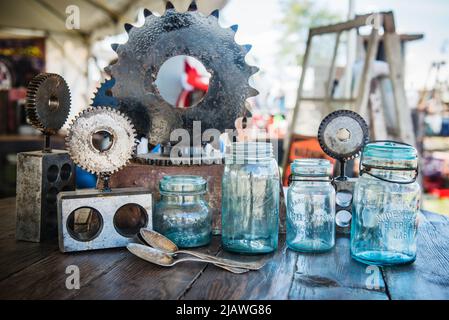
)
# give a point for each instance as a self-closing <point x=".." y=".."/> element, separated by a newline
<point x="386" y="205"/>
<point x="311" y="206"/>
<point x="182" y="214"/>
<point x="250" y="199"/>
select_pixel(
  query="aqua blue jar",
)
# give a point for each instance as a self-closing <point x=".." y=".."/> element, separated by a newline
<point x="250" y="199"/>
<point x="311" y="206"/>
<point x="386" y="205"/>
<point x="182" y="214"/>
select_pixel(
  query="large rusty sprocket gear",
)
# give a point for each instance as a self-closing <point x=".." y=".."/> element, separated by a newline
<point x="48" y="102"/>
<point x="173" y="34"/>
<point x="80" y="140"/>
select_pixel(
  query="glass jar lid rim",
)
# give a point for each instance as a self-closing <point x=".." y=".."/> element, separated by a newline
<point x="183" y="184"/>
<point x="389" y="150"/>
<point x="311" y="167"/>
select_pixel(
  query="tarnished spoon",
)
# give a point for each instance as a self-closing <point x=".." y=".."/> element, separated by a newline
<point x="165" y="259"/>
<point x="157" y="240"/>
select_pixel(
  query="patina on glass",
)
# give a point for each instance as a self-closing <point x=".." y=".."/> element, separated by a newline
<point x="386" y="205"/>
<point x="311" y="206"/>
<point x="182" y="214"/>
<point x="250" y="199"/>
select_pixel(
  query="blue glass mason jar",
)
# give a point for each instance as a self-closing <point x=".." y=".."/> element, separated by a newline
<point x="250" y="199"/>
<point x="311" y="206"/>
<point x="182" y="214"/>
<point x="386" y="205"/>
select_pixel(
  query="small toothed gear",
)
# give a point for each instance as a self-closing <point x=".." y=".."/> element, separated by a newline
<point x="103" y="96"/>
<point x="343" y="134"/>
<point x="173" y="34"/>
<point x="80" y="140"/>
<point x="48" y="102"/>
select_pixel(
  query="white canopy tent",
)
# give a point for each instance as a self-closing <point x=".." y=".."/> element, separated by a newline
<point x="80" y="54"/>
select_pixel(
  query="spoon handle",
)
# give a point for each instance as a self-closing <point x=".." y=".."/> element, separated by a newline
<point x="245" y="265"/>
<point x="219" y="264"/>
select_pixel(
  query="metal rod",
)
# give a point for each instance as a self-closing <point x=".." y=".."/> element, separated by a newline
<point x="47" y="148"/>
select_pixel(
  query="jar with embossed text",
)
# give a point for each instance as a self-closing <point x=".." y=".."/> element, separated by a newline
<point x="250" y="199"/>
<point x="386" y="205"/>
<point x="311" y="206"/>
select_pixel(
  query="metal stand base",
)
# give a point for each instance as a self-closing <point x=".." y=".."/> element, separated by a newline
<point x="40" y="177"/>
<point x="94" y="219"/>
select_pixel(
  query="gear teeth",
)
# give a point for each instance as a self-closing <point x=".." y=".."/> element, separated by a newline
<point x="253" y="92"/>
<point x="247" y="47"/>
<point x="115" y="46"/>
<point x="128" y="27"/>
<point x="254" y="70"/>
<point x="31" y="99"/>
<point x="216" y="13"/>
<point x="82" y="162"/>
<point x="169" y="6"/>
<point x="235" y="27"/>
<point x="107" y="70"/>
<point x="193" y="6"/>
<point x="147" y="13"/>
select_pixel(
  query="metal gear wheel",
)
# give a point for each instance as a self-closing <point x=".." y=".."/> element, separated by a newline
<point x="173" y="34"/>
<point x="103" y="96"/>
<point x="343" y="134"/>
<point x="81" y="144"/>
<point x="48" y="102"/>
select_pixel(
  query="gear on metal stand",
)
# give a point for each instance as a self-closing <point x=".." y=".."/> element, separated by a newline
<point x="45" y="172"/>
<point x="342" y="136"/>
<point x="102" y="140"/>
<point x="48" y="104"/>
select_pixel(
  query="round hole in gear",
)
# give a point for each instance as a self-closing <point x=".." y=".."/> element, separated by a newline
<point x="53" y="103"/>
<point x="66" y="172"/>
<point x="84" y="224"/>
<point x="102" y="140"/>
<point x="129" y="219"/>
<point x="183" y="81"/>
<point x="52" y="173"/>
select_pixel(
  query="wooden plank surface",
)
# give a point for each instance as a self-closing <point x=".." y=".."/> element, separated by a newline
<point x="334" y="275"/>
<point x="428" y="276"/>
<point x="38" y="271"/>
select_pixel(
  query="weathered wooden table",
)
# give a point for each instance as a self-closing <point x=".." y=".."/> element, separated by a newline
<point x="38" y="271"/>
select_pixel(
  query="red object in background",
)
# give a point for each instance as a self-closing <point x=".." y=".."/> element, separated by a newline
<point x="192" y="81"/>
<point x="440" y="193"/>
<point x="309" y="148"/>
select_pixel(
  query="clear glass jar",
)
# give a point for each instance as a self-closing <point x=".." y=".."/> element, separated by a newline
<point x="311" y="206"/>
<point x="182" y="214"/>
<point x="250" y="199"/>
<point x="386" y="205"/>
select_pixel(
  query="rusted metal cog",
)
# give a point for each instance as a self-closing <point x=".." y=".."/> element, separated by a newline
<point x="173" y="34"/>
<point x="48" y="102"/>
<point x="343" y="134"/>
<point x="120" y="148"/>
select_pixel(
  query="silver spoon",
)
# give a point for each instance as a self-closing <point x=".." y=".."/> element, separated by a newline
<point x="164" y="259"/>
<point x="157" y="240"/>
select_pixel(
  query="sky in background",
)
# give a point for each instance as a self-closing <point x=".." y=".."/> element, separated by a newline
<point x="257" y="20"/>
